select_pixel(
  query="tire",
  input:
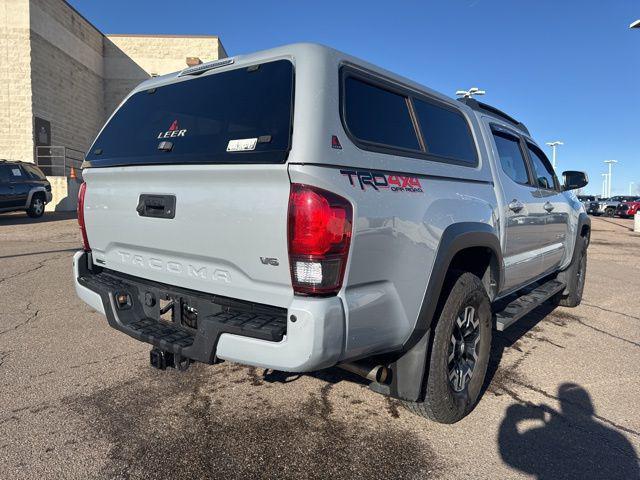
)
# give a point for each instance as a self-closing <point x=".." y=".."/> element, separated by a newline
<point x="609" y="212"/>
<point x="447" y="399"/>
<point x="36" y="209"/>
<point x="575" y="277"/>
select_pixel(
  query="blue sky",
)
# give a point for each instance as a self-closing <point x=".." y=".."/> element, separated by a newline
<point x="569" y="70"/>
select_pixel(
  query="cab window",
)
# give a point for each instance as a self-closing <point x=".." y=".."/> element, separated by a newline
<point x="511" y="158"/>
<point x="542" y="169"/>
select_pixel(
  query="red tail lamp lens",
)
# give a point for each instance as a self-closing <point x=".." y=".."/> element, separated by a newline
<point x="83" y="230"/>
<point x="319" y="237"/>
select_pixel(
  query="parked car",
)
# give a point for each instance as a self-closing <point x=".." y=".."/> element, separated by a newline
<point x="590" y="204"/>
<point x="23" y="186"/>
<point x="299" y="208"/>
<point x="628" y="209"/>
<point x="608" y="206"/>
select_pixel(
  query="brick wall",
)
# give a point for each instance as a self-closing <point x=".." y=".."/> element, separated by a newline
<point x="129" y="59"/>
<point x="16" y="141"/>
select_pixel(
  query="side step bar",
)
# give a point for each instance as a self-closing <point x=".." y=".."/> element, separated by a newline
<point x="510" y="312"/>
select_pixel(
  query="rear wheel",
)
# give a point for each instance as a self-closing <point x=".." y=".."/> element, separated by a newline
<point x="459" y="354"/>
<point x="610" y="211"/>
<point x="36" y="209"/>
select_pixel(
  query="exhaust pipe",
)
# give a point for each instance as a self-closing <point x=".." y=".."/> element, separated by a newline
<point x="372" y="372"/>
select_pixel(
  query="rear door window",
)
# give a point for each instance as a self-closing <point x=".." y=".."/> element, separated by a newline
<point x="377" y="115"/>
<point x="445" y="132"/>
<point x="238" y="116"/>
<point x="511" y="158"/>
<point x="34" y="172"/>
<point x="542" y="169"/>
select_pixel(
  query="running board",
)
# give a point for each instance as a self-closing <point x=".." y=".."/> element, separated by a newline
<point x="517" y="308"/>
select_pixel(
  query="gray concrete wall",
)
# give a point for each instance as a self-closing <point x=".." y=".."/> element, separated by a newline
<point x="66" y="73"/>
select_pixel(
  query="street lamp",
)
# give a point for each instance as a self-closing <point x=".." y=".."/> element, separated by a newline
<point x="553" y="146"/>
<point x="610" y="163"/>
<point x="635" y="24"/>
<point x="470" y="93"/>
<point x="631" y="184"/>
<point x="604" y="184"/>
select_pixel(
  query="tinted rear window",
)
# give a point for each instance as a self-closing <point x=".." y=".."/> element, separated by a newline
<point x="445" y="132"/>
<point x="380" y="116"/>
<point x="200" y="116"/>
<point x="34" y="172"/>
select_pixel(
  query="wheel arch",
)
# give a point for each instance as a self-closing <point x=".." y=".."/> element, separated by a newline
<point x="459" y="244"/>
<point x="33" y="191"/>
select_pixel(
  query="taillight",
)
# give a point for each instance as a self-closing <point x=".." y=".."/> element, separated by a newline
<point x="319" y="237"/>
<point x="83" y="230"/>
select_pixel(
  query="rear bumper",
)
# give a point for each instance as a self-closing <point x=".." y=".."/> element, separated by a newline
<point x="313" y="327"/>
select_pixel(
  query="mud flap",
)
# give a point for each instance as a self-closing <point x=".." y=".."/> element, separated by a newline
<point x="407" y="373"/>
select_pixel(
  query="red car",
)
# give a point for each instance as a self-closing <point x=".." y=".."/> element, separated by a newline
<point x="628" y="209"/>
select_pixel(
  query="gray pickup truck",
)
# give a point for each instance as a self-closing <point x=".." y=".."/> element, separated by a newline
<point x="298" y="208"/>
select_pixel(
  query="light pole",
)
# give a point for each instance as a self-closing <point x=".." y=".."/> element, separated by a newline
<point x="631" y="184"/>
<point x="470" y="93"/>
<point x="553" y="146"/>
<point x="604" y="184"/>
<point x="635" y="24"/>
<point x="610" y="163"/>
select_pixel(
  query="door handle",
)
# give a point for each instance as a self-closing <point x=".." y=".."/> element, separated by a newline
<point x="516" y="205"/>
<point x="548" y="207"/>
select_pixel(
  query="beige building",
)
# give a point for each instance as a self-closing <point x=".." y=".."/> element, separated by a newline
<point x="60" y="78"/>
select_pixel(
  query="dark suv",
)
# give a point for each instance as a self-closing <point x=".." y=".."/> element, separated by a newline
<point x="23" y="186"/>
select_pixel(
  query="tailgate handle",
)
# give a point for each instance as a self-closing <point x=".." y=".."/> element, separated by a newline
<point x="157" y="206"/>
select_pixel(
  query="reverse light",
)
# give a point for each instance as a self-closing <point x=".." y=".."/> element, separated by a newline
<point x="320" y="225"/>
<point x="83" y="230"/>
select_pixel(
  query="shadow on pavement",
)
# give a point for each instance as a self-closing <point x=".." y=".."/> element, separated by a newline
<point x="24" y="219"/>
<point x="550" y="444"/>
<point x="570" y="443"/>
<point x="502" y="341"/>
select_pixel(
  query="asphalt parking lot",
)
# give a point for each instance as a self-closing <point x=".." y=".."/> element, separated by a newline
<point x="79" y="400"/>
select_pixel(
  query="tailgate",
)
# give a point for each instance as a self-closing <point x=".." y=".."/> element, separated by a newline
<point x="228" y="234"/>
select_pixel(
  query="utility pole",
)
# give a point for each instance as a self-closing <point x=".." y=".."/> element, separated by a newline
<point x="631" y="184"/>
<point x="604" y="184"/>
<point x="610" y="163"/>
<point x="553" y="146"/>
<point x="470" y="93"/>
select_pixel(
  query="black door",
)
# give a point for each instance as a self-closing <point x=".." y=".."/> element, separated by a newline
<point x="5" y="191"/>
<point x="21" y="183"/>
<point x="14" y="186"/>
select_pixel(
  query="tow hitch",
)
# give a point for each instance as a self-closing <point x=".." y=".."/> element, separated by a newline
<point x="161" y="359"/>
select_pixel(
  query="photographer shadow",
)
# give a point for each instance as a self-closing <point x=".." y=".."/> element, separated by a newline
<point x="570" y="443"/>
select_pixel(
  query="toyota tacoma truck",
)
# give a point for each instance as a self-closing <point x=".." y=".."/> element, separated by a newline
<point x="298" y="208"/>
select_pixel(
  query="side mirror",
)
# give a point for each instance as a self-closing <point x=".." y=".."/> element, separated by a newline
<point x="574" y="180"/>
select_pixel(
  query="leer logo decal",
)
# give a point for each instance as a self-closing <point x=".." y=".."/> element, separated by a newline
<point x="382" y="181"/>
<point x="174" y="131"/>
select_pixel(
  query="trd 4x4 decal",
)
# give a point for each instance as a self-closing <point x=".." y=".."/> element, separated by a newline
<point x="382" y="181"/>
